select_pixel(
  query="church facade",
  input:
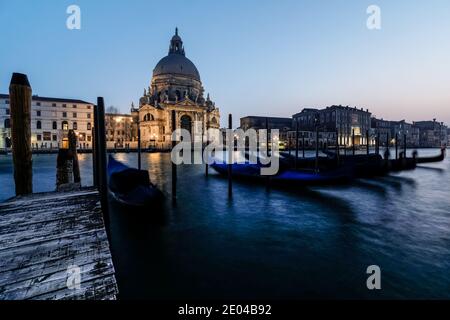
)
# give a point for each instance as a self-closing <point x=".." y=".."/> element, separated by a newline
<point x="175" y="86"/>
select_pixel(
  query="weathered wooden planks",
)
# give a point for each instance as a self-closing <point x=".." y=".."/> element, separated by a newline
<point x="41" y="235"/>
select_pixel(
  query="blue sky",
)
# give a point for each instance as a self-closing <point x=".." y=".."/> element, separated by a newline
<point x="255" y="57"/>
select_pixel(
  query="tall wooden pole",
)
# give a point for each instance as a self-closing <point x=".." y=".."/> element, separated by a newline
<point x="102" y="162"/>
<point x="377" y="144"/>
<point x="367" y="142"/>
<point x="73" y="152"/>
<point x="94" y="152"/>
<point x="353" y="142"/>
<point x="296" y="142"/>
<point x="396" y="146"/>
<point x="338" y="151"/>
<point x="174" y="166"/>
<point x="317" y="148"/>
<point x="404" y="144"/>
<point x="20" y="95"/>
<point x="230" y="155"/>
<point x="139" y="143"/>
<point x="206" y="126"/>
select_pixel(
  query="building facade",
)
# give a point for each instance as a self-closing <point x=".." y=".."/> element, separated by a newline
<point x="284" y="125"/>
<point x="51" y="119"/>
<point x="433" y="134"/>
<point x="121" y="130"/>
<point x="341" y="119"/>
<point x="175" y="86"/>
<point x="402" y="129"/>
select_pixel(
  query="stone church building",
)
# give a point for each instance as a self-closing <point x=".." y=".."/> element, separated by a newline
<point x="175" y="85"/>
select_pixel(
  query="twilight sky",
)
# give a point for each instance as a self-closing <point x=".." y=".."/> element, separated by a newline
<point x="255" y="57"/>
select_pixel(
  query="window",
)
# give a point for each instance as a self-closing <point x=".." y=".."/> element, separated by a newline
<point x="7" y="123"/>
<point x="64" y="114"/>
<point x="38" y="125"/>
<point x="54" y="125"/>
<point x="89" y="107"/>
<point x="38" y="104"/>
<point x="65" y="125"/>
<point x="74" y="114"/>
<point x="149" y="117"/>
<point x="53" y="104"/>
<point x="6" y="101"/>
<point x="75" y="126"/>
<point x="55" y="137"/>
<point x="64" y="105"/>
<point x="38" y="137"/>
<point x="89" y="138"/>
<point x="88" y="115"/>
<point x="74" y="106"/>
<point x="47" y="136"/>
<point x="38" y="113"/>
<point x="89" y="127"/>
<point x="7" y="111"/>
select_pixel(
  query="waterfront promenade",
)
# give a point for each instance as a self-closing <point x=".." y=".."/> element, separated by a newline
<point x="45" y="235"/>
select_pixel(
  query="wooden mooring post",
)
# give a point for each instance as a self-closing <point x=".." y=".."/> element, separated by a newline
<point x="230" y="143"/>
<point x="353" y="142"/>
<point x="367" y="142"/>
<point x="317" y="149"/>
<point x="101" y="160"/>
<point x="94" y="154"/>
<point x="174" y="166"/>
<point x="404" y="144"/>
<point x="396" y="146"/>
<point x="338" y="151"/>
<point x="296" y="142"/>
<point x="20" y="95"/>
<point x="139" y="143"/>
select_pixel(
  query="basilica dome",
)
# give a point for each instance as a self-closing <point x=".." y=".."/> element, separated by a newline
<point x="176" y="63"/>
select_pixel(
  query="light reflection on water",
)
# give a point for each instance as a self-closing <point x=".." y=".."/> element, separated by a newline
<point x="276" y="243"/>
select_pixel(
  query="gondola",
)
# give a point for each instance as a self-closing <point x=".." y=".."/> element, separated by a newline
<point x="285" y="176"/>
<point x="132" y="187"/>
<point x="438" y="158"/>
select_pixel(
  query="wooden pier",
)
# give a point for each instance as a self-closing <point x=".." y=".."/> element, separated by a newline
<point x="42" y="235"/>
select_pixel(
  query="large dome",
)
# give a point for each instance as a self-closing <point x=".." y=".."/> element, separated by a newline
<point x="176" y="64"/>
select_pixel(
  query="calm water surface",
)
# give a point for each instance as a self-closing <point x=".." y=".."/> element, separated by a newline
<point x="275" y="243"/>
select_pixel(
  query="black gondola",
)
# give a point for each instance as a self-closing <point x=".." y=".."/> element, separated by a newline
<point x="132" y="187"/>
<point x="438" y="158"/>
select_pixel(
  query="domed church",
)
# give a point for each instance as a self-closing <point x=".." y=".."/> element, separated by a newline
<point x="175" y="85"/>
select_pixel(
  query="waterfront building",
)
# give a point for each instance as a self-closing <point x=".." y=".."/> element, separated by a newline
<point x="121" y="130"/>
<point x="175" y="86"/>
<point x="433" y="134"/>
<point x="402" y="128"/>
<point x="284" y="125"/>
<point x="51" y="119"/>
<point x="342" y="119"/>
<point x="383" y="128"/>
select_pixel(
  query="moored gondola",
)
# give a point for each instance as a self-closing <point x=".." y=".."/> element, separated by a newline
<point x="432" y="159"/>
<point x="132" y="187"/>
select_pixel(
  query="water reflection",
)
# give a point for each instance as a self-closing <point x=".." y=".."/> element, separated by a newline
<point x="276" y="243"/>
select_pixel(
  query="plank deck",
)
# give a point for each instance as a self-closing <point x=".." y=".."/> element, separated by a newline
<point x="42" y="235"/>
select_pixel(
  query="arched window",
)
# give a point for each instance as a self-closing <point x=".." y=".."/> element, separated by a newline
<point x="89" y="126"/>
<point x="214" y="121"/>
<point x="186" y="123"/>
<point x="75" y="126"/>
<point x="7" y="123"/>
<point x="149" y="117"/>
<point x="54" y="125"/>
<point x="38" y="125"/>
<point x="65" y="125"/>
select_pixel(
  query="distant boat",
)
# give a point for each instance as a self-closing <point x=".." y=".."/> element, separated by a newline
<point x="438" y="158"/>
<point x="295" y="177"/>
<point x="132" y="187"/>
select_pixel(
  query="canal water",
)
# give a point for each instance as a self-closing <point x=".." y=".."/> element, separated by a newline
<point x="309" y="243"/>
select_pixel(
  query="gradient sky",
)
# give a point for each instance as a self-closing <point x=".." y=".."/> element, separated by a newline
<point x="255" y="57"/>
